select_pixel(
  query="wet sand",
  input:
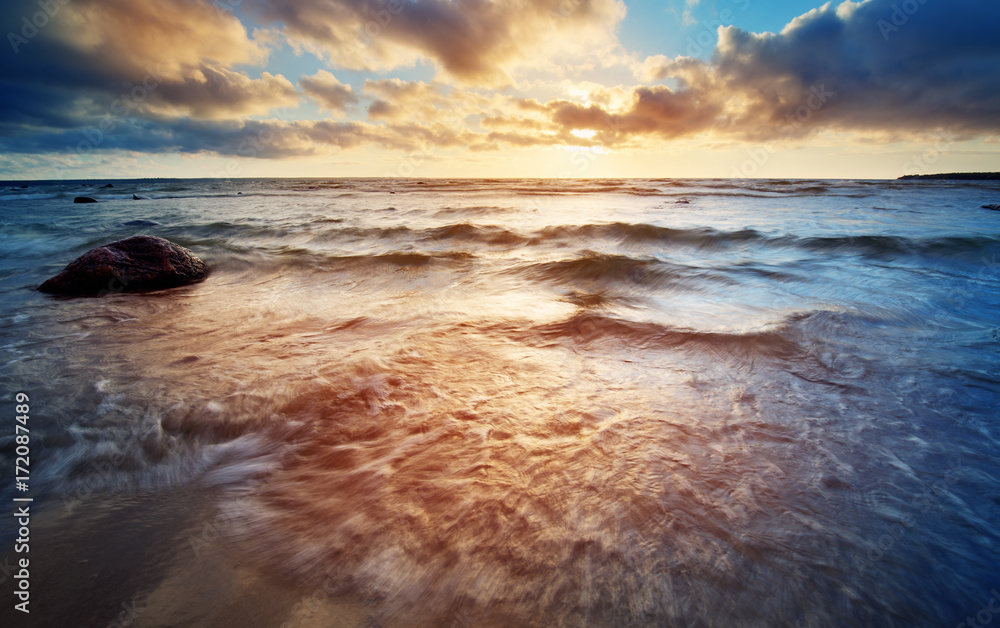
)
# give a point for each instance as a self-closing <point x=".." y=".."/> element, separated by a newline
<point x="156" y="560"/>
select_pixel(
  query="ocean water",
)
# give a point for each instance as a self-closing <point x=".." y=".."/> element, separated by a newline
<point x="520" y="402"/>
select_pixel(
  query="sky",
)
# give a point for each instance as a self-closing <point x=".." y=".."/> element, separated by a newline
<point x="498" y="88"/>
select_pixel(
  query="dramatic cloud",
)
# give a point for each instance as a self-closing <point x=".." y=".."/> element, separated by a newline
<point x="185" y="76"/>
<point x="328" y="92"/>
<point x="472" y="41"/>
<point x="878" y="66"/>
<point x="126" y="36"/>
<point x="163" y="58"/>
<point x="397" y="99"/>
<point x="428" y="103"/>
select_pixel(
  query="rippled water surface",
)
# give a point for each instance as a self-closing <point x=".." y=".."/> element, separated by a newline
<point x="600" y="402"/>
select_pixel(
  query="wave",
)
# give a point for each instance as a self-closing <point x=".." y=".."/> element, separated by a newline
<point x="446" y="212"/>
<point x="587" y="328"/>
<point x="471" y="233"/>
<point x="804" y="341"/>
<point x="971" y="248"/>
<point x="464" y="237"/>
<point x="599" y="267"/>
<point x="284" y="258"/>
<point x="29" y="197"/>
<point x="647" y="233"/>
<point x="966" y="248"/>
<point x="569" y="190"/>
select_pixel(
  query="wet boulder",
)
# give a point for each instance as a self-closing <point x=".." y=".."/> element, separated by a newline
<point x="84" y="199"/>
<point x="134" y="264"/>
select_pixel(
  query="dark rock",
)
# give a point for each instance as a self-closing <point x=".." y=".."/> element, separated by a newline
<point x="107" y="186"/>
<point x="994" y="206"/>
<point x="136" y="197"/>
<point x="84" y="199"/>
<point x="23" y="186"/>
<point x="140" y="223"/>
<point x="134" y="264"/>
<point x="833" y="482"/>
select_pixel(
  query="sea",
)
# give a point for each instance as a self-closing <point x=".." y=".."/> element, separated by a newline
<point x="477" y="402"/>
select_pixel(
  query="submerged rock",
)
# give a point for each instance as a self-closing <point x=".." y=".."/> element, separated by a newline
<point x="84" y="199"/>
<point x="107" y="186"/>
<point x="993" y="206"/>
<point x="136" y="197"/>
<point x="134" y="264"/>
<point x="140" y="223"/>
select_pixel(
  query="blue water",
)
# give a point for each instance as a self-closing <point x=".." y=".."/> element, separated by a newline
<point x="520" y="402"/>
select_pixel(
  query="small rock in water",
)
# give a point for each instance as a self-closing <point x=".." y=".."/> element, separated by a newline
<point x="84" y="199"/>
<point x="140" y="223"/>
<point x="134" y="264"/>
<point x="107" y="186"/>
<point x="136" y="197"/>
<point x="993" y="206"/>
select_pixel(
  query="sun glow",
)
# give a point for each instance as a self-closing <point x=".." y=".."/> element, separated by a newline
<point x="587" y="134"/>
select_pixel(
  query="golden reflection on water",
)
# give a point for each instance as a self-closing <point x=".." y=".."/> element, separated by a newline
<point x="482" y="453"/>
<point x="446" y="469"/>
<point x="494" y="407"/>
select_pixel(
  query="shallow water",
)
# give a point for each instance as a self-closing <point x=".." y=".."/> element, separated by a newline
<point x="600" y="402"/>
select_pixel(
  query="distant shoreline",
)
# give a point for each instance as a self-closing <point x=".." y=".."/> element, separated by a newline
<point x="956" y="176"/>
<point x="25" y="183"/>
